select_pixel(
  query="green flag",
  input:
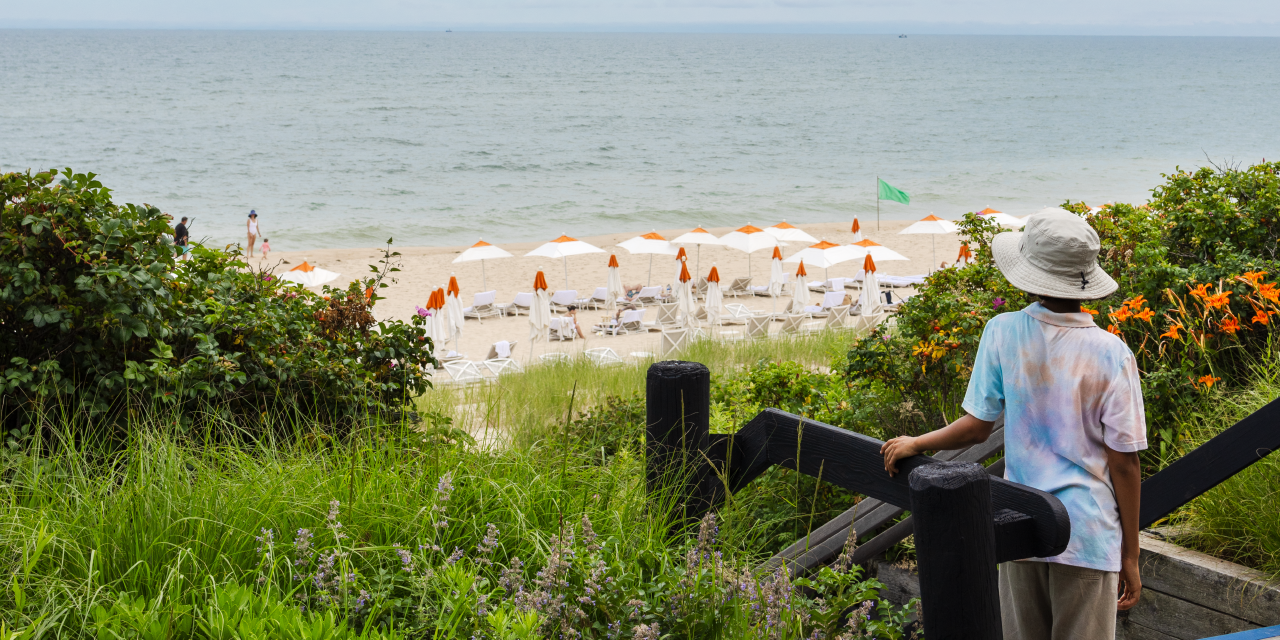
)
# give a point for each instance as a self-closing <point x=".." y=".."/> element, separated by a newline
<point x="889" y="192"/>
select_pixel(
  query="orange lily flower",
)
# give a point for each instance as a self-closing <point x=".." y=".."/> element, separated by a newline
<point x="1252" y="277"/>
<point x="1262" y="317"/>
<point x="1230" y="325"/>
<point x="1135" y="302"/>
<point x="1089" y="311"/>
<point x="1270" y="292"/>
<point x="1146" y="314"/>
<point x="1112" y="329"/>
<point x="1208" y="381"/>
<point x="1218" y="300"/>
<point x="1172" y="332"/>
<point x="1121" y="315"/>
<point x="1200" y="291"/>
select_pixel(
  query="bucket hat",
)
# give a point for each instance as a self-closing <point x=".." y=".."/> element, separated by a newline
<point x="1055" y="255"/>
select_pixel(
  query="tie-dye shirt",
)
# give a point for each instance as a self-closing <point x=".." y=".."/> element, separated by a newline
<point x="1066" y="388"/>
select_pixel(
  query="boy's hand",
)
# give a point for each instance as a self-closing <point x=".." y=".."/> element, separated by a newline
<point x="1130" y="584"/>
<point x="896" y="449"/>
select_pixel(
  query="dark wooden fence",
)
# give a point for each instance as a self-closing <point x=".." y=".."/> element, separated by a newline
<point x="965" y="518"/>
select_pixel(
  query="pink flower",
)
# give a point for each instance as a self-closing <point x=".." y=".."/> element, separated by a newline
<point x="997" y="303"/>
<point x="423" y="312"/>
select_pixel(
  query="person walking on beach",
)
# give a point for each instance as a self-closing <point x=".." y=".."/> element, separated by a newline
<point x="253" y="230"/>
<point x="181" y="236"/>
<point x="1074" y="423"/>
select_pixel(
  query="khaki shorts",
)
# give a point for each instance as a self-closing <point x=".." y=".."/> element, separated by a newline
<point x="1051" y="601"/>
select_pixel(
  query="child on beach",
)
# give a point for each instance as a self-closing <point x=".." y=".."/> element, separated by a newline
<point x="1074" y="424"/>
<point x="266" y="247"/>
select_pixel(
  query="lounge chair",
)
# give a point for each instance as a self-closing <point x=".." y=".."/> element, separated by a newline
<point x="792" y="322"/>
<point x="556" y="357"/>
<point x="482" y="306"/>
<point x="564" y="299"/>
<point x="502" y="366"/>
<point x="833" y="284"/>
<point x="829" y="299"/>
<point x="838" y="318"/>
<point x="603" y="356"/>
<point x="668" y="316"/>
<point x="563" y="328"/>
<point x="501" y="349"/>
<point x="673" y="341"/>
<point x="700" y="289"/>
<point x="647" y="295"/>
<point x="523" y="301"/>
<point x="763" y="289"/>
<point x="736" y="314"/>
<point x="739" y="287"/>
<point x="451" y="356"/>
<point x="901" y="281"/>
<point x="463" y="372"/>
<point x="631" y="321"/>
<point x="598" y="299"/>
<point x="758" y="326"/>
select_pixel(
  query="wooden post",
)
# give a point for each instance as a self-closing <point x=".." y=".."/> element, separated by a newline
<point x="956" y="551"/>
<point x="678" y="403"/>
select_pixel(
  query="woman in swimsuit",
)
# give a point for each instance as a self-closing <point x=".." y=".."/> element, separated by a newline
<point x="253" y="230"/>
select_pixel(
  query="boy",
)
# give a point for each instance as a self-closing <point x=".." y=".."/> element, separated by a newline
<point x="1074" y="423"/>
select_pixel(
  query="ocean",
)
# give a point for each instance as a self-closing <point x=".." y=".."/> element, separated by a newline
<point x="346" y="139"/>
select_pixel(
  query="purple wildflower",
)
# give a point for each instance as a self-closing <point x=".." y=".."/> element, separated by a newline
<point x="997" y="303"/>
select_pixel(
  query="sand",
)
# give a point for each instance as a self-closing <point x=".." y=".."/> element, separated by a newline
<point x="424" y="269"/>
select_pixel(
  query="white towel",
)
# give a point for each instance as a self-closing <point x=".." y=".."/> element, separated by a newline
<point x="502" y="348"/>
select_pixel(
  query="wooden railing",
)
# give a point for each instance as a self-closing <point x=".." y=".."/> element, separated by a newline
<point x="965" y="518"/>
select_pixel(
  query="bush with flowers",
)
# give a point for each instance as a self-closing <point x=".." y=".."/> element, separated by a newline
<point x="96" y="312"/>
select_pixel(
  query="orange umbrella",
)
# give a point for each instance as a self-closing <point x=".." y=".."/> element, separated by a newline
<point x="714" y="276"/>
<point x="304" y="267"/>
<point x="613" y="260"/>
<point x="800" y="271"/>
<point x="988" y="211"/>
<point x="539" y="282"/>
<point x="684" y="272"/>
<point x="453" y="289"/>
<point x="868" y="264"/>
<point x="777" y="253"/>
<point x="965" y="253"/>
<point x="856" y="230"/>
<point x="681" y="255"/>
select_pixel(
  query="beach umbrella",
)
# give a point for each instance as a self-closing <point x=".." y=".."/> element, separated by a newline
<point x="481" y="251"/>
<point x="681" y="259"/>
<point x="684" y="298"/>
<point x="966" y="256"/>
<point x="857" y="230"/>
<point x="785" y="232"/>
<point x="824" y="254"/>
<point x="870" y="287"/>
<point x="539" y="312"/>
<point x="454" y="308"/>
<point x="309" y="276"/>
<point x="776" y="278"/>
<point x="697" y="238"/>
<point x="875" y="250"/>
<point x="800" y="295"/>
<point x="613" y="287"/>
<point x="749" y="239"/>
<point x="441" y="318"/>
<point x="436" y="330"/>
<point x="714" y="297"/>
<point x="932" y="225"/>
<point x="562" y="248"/>
<point x="1001" y="218"/>
<point x="650" y="243"/>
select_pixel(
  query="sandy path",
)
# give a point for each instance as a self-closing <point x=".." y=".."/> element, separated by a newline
<point x="426" y="268"/>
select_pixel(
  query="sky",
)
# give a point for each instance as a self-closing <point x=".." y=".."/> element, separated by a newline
<point x="1074" y="17"/>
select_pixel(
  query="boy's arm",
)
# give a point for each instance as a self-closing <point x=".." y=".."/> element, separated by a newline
<point x="1126" y="478"/>
<point x="966" y="431"/>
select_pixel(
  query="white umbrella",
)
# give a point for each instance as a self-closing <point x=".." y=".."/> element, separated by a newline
<point x="698" y="237"/>
<point x="613" y="288"/>
<point x="857" y="230"/>
<point x="870" y="288"/>
<point x="309" y="276"/>
<point x="539" y="312"/>
<point x="776" y="278"/>
<point x="684" y="298"/>
<point x="785" y="232"/>
<point x="681" y="261"/>
<point x="454" y="308"/>
<point x="823" y="254"/>
<point x="715" y="299"/>
<point x="749" y="239"/>
<point x="800" y="295"/>
<point x="650" y="243"/>
<point x="1001" y="218"/>
<point x="481" y="251"/>
<point x="436" y="330"/>
<point x="875" y="250"/>
<point x="562" y="248"/>
<point x="932" y="225"/>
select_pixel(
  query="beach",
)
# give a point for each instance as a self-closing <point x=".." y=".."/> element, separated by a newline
<point x="424" y="269"/>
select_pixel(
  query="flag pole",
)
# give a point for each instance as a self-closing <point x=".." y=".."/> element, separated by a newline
<point x="877" y="203"/>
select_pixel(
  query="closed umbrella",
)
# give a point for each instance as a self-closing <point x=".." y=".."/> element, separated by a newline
<point x="966" y="256"/>
<point x="436" y="330"/>
<point x="749" y="239"/>
<point x="714" y="297"/>
<point x="684" y="298"/>
<point x="800" y="295"/>
<point x="776" y="278"/>
<point x="870" y="288"/>
<point x="650" y="243"/>
<point x="562" y="248"/>
<point x="697" y="238"/>
<point x="681" y="259"/>
<point x="857" y="230"/>
<point x="786" y="232"/>
<point x="934" y="226"/>
<point x="1001" y="218"/>
<point x="454" y="308"/>
<point x="309" y="276"/>
<point x="539" y="312"/>
<point x="441" y="318"/>
<point x="823" y="254"/>
<point x="613" y="288"/>
<point x="481" y="251"/>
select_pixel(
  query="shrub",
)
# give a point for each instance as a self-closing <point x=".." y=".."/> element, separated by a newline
<point x="95" y="310"/>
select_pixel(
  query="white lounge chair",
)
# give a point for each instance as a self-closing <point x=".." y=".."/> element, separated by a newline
<point x="735" y="313"/>
<point x="648" y="295"/>
<point x="501" y="349"/>
<point x="739" y="287"/>
<point x="758" y="326"/>
<point x="563" y="328"/>
<point x="598" y="299"/>
<point x="463" y="372"/>
<point x="900" y="281"/>
<point x="668" y="316"/>
<point x="829" y="299"/>
<point x="631" y="321"/>
<point x="672" y="341"/>
<point x="603" y="356"/>
<point x="838" y="318"/>
<point x="523" y="301"/>
<point x="502" y="366"/>
<point x="451" y="356"/>
<point x="482" y="306"/>
<point x="556" y="357"/>
<point x="799" y="323"/>
<point x="564" y="299"/>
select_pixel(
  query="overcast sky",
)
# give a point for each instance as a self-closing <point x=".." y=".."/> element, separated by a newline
<point x="1171" y="17"/>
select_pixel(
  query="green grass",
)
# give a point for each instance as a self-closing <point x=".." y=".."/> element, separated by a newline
<point x="1239" y="520"/>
